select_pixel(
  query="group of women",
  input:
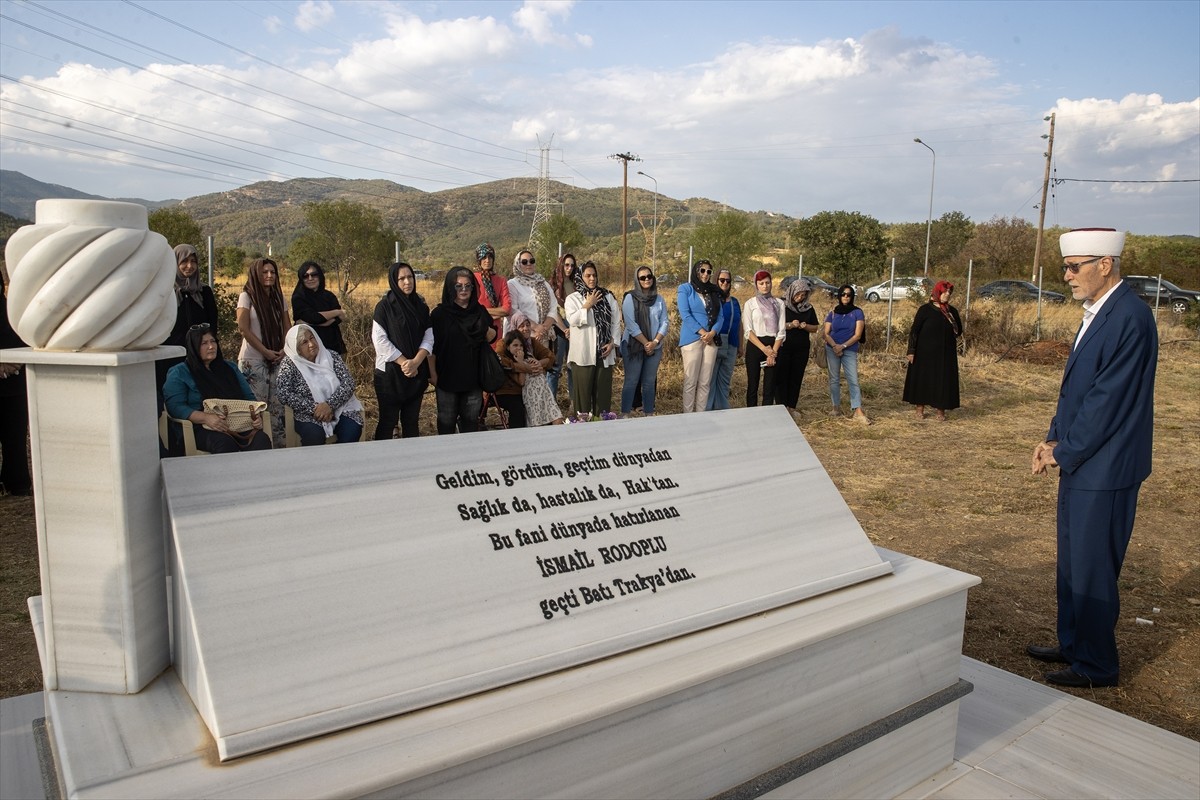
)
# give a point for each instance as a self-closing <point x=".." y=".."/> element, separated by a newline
<point x="540" y="328"/>
<point x="279" y="364"/>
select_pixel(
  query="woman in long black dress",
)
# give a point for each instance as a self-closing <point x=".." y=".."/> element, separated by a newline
<point x="800" y="321"/>
<point x="932" y="378"/>
<point x="403" y="341"/>
<point x="319" y="307"/>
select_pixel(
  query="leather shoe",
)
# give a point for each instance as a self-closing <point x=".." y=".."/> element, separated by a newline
<point x="1069" y="677"/>
<point x="1050" y="654"/>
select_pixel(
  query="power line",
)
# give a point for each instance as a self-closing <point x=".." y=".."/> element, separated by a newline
<point x="250" y="106"/>
<point x="335" y="89"/>
<point x="1105" y="180"/>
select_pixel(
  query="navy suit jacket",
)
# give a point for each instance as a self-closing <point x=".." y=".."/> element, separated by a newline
<point x="1104" y="423"/>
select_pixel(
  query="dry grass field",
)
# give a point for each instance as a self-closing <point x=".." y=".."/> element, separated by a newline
<point x="958" y="493"/>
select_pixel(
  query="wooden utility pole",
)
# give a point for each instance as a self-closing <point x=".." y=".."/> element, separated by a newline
<point x="1037" y="247"/>
<point x="625" y="158"/>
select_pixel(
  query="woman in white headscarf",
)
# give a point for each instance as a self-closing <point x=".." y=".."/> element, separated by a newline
<point x="316" y="383"/>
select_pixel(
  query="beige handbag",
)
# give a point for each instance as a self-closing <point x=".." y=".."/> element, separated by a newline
<point x="239" y="414"/>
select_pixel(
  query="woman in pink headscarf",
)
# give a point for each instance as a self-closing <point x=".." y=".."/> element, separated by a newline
<point x="932" y="378"/>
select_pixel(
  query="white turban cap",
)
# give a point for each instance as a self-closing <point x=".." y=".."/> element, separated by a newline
<point x="1092" y="242"/>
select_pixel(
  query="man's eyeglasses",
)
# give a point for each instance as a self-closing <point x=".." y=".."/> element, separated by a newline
<point x="462" y="287"/>
<point x="527" y="261"/>
<point x="645" y="277"/>
<point x="1074" y="268"/>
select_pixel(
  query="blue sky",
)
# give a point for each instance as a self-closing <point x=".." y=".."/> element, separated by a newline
<point x="787" y="107"/>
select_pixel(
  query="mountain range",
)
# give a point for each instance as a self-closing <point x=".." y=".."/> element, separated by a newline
<point x="439" y="228"/>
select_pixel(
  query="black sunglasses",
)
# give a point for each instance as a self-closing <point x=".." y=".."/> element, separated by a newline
<point x="308" y="275"/>
<point x="528" y="261"/>
<point x="722" y="280"/>
<point x="1074" y="268"/>
<point x="704" y="271"/>
<point x="645" y="277"/>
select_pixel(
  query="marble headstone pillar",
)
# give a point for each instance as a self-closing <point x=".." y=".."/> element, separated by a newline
<point x="92" y="293"/>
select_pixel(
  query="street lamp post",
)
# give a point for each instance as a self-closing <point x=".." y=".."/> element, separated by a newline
<point x="654" y="230"/>
<point x="929" y="223"/>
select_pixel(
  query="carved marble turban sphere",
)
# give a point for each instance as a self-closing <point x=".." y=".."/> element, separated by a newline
<point x="90" y="275"/>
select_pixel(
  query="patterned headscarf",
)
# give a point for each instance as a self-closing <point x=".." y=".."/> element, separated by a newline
<point x="799" y="286"/>
<point x="541" y="288"/>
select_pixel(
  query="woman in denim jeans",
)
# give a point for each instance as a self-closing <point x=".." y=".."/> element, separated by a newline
<point x="646" y="321"/>
<point x="844" y="329"/>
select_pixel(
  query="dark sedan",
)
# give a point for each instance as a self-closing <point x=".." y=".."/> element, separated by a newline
<point x="1018" y="290"/>
<point x="818" y="285"/>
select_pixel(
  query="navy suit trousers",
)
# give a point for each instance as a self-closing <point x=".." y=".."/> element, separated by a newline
<point x="1093" y="533"/>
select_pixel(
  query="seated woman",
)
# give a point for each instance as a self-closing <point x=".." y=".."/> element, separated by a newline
<point x="206" y="375"/>
<point x="528" y="362"/>
<point x="316" y="383"/>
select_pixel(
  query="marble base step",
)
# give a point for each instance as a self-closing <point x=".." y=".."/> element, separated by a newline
<point x="693" y="716"/>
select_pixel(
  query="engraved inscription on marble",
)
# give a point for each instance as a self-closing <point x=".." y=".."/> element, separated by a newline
<point x="321" y="588"/>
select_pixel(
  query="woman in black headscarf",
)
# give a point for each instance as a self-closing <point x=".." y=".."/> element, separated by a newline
<point x="319" y="307"/>
<point x="460" y="327"/>
<point x="194" y="304"/>
<point x="206" y="375"/>
<point x="403" y="341"/>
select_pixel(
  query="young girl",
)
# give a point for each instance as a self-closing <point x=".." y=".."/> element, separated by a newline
<point x="540" y="406"/>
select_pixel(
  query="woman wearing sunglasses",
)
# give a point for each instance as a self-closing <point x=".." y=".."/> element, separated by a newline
<point x="460" y="327"/>
<point x="315" y="305"/>
<point x="729" y="329"/>
<point x="533" y="296"/>
<point x="646" y="321"/>
<point x="844" y="330"/>
<point x="699" y="302"/>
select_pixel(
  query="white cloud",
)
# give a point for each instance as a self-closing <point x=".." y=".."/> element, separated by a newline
<point x="313" y="14"/>
<point x="537" y="19"/>
<point x="273" y="24"/>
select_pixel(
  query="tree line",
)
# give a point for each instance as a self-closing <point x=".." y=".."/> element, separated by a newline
<point x="353" y="243"/>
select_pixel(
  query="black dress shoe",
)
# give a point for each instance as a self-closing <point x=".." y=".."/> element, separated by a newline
<point x="1050" y="654"/>
<point x="1069" y="677"/>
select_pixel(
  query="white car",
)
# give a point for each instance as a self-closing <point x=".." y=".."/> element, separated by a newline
<point x="904" y="287"/>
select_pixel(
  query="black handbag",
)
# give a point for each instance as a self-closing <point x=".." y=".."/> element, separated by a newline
<point x="491" y="374"/>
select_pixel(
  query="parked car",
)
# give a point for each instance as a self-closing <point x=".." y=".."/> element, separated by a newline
<point x="1018" y="290"/>
<point x="818" y="285"/>
<point x="1165" y="293"/>
<point x="899" y="289"/>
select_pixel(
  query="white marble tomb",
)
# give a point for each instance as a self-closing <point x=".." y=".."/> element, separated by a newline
<point x="323" y="588"/>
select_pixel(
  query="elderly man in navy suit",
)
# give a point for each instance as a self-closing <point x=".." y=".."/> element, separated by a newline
<point x="1100" y="439"/>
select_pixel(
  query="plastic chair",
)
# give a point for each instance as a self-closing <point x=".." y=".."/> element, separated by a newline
<point x="292" y="439"/>
<point x="188" y="429"/>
